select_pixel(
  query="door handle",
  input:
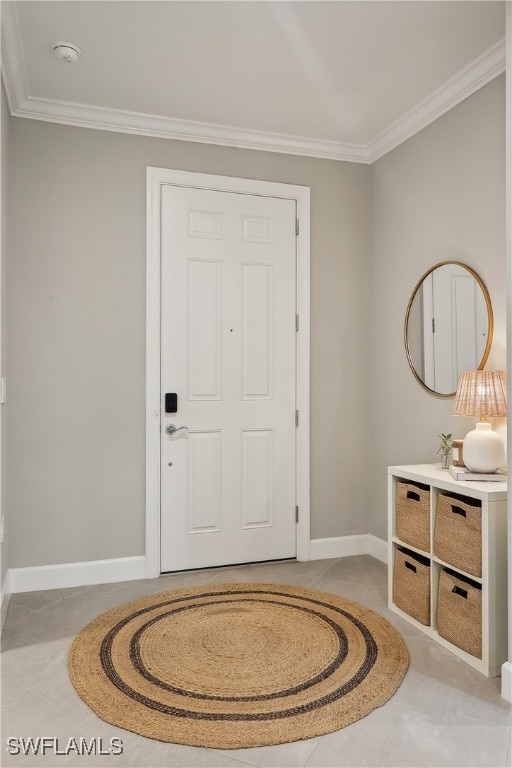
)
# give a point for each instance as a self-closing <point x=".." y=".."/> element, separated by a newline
<point x="172" y="428"/>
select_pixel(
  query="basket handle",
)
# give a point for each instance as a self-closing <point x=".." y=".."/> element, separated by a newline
<point x="413" y="495"/>
<point x="410" y="566"/>
<point x="458" y="510"/>
<point x="459" y="591"/>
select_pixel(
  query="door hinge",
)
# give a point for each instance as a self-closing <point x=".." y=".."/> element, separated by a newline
<point x="433" y="325"/>
<point x="296" y="514"/>
<point x="296" y="418"/>
<point x="297" y="227"/>
<point x="297" y="323"/>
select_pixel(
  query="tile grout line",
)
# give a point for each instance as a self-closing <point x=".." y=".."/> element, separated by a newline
<point x="315" y="745"/>
<point x="222" y="753"/>
<point x="54" y="602"/>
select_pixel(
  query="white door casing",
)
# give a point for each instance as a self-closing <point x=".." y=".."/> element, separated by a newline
<point x="213" y="450"/>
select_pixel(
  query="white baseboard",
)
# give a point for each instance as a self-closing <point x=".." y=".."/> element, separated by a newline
<point x="76" y="574"/>
<point x="378" y="548"/>
<point x="338" y="546"/>
<point x="6" y="595"/>
<point x="346" y="546"/>
<point x="506" y="681"/>
<point x="60" y="576"/>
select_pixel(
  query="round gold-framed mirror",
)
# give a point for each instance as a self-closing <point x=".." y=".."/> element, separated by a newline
<point x="448" y="326"/>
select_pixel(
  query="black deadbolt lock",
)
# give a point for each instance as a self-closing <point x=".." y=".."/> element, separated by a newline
<point x="171" y="402"/>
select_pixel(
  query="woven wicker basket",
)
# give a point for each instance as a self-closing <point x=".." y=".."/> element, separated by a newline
<point x="459" y="612"/>
<point x="458" y="533"/>
<point x="411" y="585"/>
<point x="413" y="514"/>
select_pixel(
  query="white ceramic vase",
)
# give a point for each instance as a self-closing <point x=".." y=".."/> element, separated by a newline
<point x="483" y="449"/>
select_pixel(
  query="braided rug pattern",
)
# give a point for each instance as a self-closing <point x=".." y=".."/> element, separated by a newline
<point x="237" y="665"/>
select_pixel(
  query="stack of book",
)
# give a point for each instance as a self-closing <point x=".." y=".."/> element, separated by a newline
<point x="463" y="473"/>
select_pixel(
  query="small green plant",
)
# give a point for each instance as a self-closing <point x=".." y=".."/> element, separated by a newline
<point x="446" y="443"/>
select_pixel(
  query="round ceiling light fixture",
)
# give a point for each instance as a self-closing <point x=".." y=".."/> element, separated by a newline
<point x="67" y="52"/>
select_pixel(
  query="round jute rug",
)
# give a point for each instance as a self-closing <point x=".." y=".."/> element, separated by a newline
<point x="237" y="665"/>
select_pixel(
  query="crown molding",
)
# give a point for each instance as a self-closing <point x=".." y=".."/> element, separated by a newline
<point x="479" y="73"/>
<point x="12" y="61"/>
<point x="86" y="116"/>
<point x="473" y="77"/>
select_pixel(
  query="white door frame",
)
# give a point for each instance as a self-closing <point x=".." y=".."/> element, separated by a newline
<point x="156" y="177"/>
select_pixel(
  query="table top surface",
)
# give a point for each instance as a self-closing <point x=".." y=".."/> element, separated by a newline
<point x="433" y="474"/>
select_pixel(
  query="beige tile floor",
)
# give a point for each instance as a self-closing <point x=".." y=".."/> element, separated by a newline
<point x="444" y="714"/>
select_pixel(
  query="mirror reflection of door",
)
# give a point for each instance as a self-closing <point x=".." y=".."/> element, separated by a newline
<point x="455" y="326"/>
<point x="448" y="326"/>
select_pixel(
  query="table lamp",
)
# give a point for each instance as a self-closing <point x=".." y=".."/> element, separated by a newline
<point x="482" y="394"/>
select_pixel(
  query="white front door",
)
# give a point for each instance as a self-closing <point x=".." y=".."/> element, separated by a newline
<point x="228" y="351"/>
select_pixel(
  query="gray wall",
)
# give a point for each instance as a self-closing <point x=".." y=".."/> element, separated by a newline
<point x="76" y="316"/>
<point x="5" y="127"/>
<point x="439" y="196"/>
<point x="76" y="335"/>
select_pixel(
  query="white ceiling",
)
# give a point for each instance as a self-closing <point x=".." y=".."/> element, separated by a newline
<point x="339" y="79"/>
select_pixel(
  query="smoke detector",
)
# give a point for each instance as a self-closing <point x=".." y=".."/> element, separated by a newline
<point x="67" y="52"/>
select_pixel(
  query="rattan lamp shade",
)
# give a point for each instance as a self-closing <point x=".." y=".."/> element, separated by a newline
<point x="481" y="393"/>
